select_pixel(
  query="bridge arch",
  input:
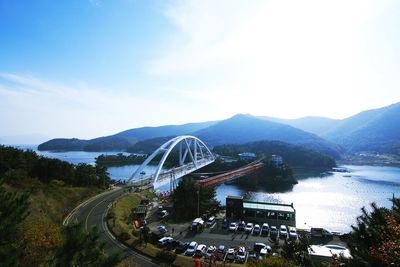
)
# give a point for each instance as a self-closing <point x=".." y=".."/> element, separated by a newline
<point x="199" y="154"/>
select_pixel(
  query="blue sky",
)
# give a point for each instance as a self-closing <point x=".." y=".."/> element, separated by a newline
<point x="90" y="68"/>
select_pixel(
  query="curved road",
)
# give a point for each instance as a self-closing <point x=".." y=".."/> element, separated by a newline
<point x="93" y="213"/>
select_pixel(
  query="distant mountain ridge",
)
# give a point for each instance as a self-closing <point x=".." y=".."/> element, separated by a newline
<point x="122" y="140"/>
<point x="241" y="129"/>
<point x="375" y="130"/>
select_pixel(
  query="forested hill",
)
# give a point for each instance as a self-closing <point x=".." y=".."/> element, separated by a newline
<point x="36" y="194"/>
<point x="122" y="140"/>
<point x="243" y="128"/>
<point x="17" y="165"/>
<point x="296" y="156"/>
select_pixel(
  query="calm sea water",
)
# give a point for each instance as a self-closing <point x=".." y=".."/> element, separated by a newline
<point x="332" y="202"/>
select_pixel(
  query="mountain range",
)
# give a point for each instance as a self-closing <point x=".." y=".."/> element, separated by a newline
<point x="375" y="130"/>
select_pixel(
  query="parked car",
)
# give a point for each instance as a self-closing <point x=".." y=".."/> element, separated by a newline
<point x="162" y="229"/>
<point x="256" y="229"/>
<point x="283" y="232"/>
<point x="172" y="245"/>
<point x="200" y="250"/>
<point x="264" y="229"/>
<point x="241" y="255"/>
<point x="241" y="226"/>
<point x="292" y="233"/>
<point x="230" y="254"/>
<point x="221" y="252"/>
<point x="233" y="227"/>
<point x="249" y="228"/>
<point x="210" y="221"/>
<point x="273" y="232"/>
<point x="259" y="246"/>
<point x="210" y="251"/>
<point x="163" y="214"/>
<point x="164" y="241"/>
<point x="191" y="248"/>
<point x="182" y="247"/>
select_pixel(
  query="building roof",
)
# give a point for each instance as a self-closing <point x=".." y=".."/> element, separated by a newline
<point x="268" y="206"/>
<point x="140" y="209"/>
<point x="235" y="197"/>
<point x="247" y="154"/>
<point x="329" y="250"/>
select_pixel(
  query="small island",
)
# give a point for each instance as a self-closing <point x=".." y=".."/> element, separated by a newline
<point x="120" y="159"/>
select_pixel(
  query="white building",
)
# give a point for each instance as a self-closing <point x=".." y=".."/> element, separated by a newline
<point x="247" y="156"/>
<point x="277" y="160"/>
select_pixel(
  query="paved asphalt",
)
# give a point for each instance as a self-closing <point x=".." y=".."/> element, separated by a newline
<point x="93" y="213"/>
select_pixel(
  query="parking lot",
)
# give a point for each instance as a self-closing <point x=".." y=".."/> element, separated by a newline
<point x="218" y="234"/>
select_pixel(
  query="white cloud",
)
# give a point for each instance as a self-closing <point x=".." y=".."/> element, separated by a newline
<point x="32" y="105"/>
<point x="285" y="52"/>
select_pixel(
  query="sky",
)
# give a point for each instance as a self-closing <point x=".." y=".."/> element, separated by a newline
<point x="89" y="68"/>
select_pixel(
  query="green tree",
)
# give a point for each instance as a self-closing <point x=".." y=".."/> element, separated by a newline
<point x="297" y="251"/>
<point x="190" y="199"/>
<point x="374" y="241"/>
<point x="144" y="234"/>
<point x="272" y="261"/>
<point x="13" y="210"/>
<point x="82" y="248"/>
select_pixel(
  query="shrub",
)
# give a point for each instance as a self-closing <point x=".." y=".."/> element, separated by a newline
<point x="166" y="256"/>
<point x="124" y="236"/>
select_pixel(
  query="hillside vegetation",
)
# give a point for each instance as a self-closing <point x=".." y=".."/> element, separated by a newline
<point x="242" y="129"/>
<point x="296" y="156"/>
<point x="55" y="188"/>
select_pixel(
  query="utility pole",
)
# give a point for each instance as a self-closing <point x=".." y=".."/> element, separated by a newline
<point x="198" y="202"/>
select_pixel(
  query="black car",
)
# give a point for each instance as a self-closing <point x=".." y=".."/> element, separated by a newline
<point x="173" y="244"/>
<point x="241" y="226"/>
<point x="181" y="247"/>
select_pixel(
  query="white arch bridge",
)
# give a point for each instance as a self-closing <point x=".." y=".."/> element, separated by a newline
<point x="193" y="155"/>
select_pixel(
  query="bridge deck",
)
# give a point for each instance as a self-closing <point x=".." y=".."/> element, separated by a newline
<point x="231" y="175"/>
<point x="176" y="173"/>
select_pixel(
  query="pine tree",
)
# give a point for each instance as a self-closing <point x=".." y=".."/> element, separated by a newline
<point x="375" y="240"/>
<point x="82" y="248"/>
<point x="13" y="210"/>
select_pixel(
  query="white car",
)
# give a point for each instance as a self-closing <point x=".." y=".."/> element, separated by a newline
<point x="257" y="229"/>
<point x="292" y="233"/>
<point x="283" y="231"/>
<point x="165" y="240"/>
<point x="259" y="246"/>
<point x="241" y="255"/>
<point x="249" y="228"/>
<point x="233" y="227"/>
<point x="230" y="254"/>
<point x="210" y="221"/>
<point x="191" y="249"/>
<point x="200" y="250"/>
